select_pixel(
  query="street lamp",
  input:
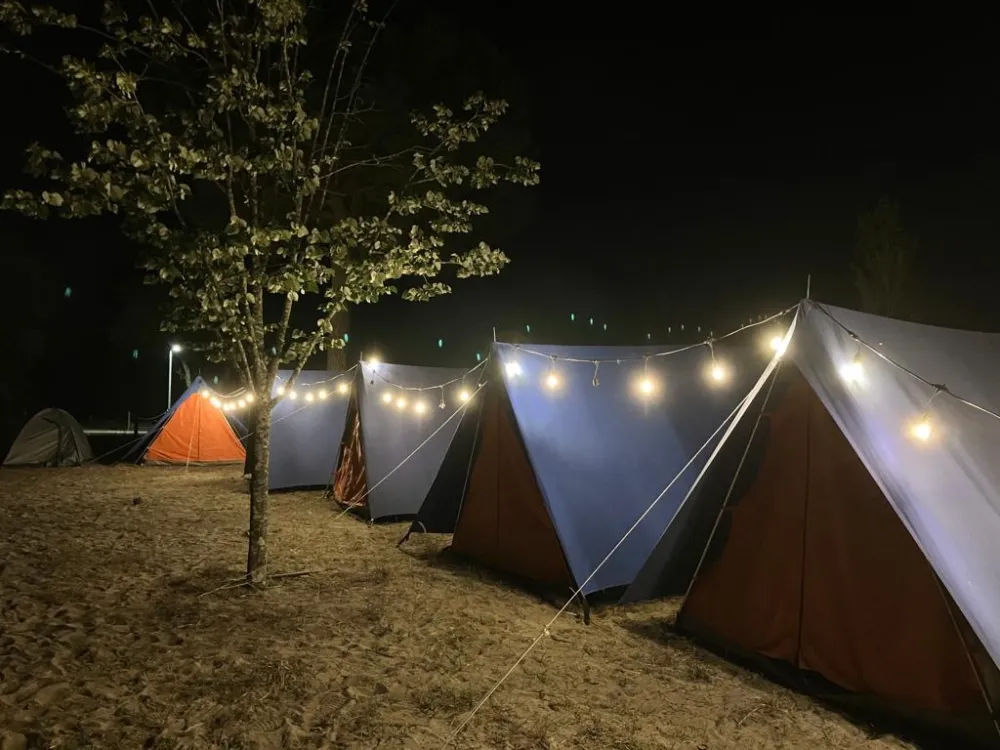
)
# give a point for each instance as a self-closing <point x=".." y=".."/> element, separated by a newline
<point x="174" y="349"/>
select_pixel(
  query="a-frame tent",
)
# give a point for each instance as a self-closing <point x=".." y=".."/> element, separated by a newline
<point x="400" y="424"/>
<point x="559" y="475"/>
<point x="50" y="438"/>
<point x="306" y="431"/>
<point x="856" y="554"/>
<point x="192" y="431"/>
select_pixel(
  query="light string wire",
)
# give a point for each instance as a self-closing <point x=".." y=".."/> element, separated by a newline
<point x="938" y="388"/>
<point x="420" y="389"/>
<point x="357" y="502"/>
<point x="278" y="379"/>
<point x="670" y="352"/>
<point x="576" y="593"/>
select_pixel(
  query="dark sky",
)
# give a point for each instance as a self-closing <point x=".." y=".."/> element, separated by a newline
<point x="693" y="172"/>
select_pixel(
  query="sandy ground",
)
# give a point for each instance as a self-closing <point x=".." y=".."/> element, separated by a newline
<point x="109" y="640"/>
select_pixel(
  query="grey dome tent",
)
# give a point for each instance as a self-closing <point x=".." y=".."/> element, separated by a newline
<point x="50" y="438"/>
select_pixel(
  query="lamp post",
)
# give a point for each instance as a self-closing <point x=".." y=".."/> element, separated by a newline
<point x="174" y="349"/>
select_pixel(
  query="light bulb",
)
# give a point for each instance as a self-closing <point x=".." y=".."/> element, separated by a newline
<point x="420" y="407"/>
<point x="205" y="393"/>
<point x="342" y="387"/>
<point x="227" y="406"/>
<point x="718" y="372"/>
<point x="176" y="348"/>
<point x="464" y="395"/>
<point x="552" y="380"/>
<point x="309" y="397"/>
<point x="646" y="386"/>
<point x="281" y="390"/>
<point x="512" y="368"/>
<point x="387" y="398"/>
<point x="922" y="430"/>
<point x="852" y="371"/>
<point x="216" y="403"/>
<point x="322" y="394"/>
<point x="400" y="403"/>
<point x="293" y="395"/>
<point x="374" y="361"/>
<point x="249" y="398"/>
<point x="241" y="403"/>
<point x="778" y="345"/>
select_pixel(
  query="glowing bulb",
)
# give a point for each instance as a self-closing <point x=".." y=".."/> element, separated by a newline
<point x="227" y="406"/>
<point x="176" y="348"/>
<point x="513" y="369"/>
<point x="921" y="430"/>
<point x="216" y="403"/>
<point x="249" y="398"/>
<point x="322" y="394"/>
<point x="778" y="345"/>
<point x="552" y="380"/>
<point x="646" y="386"/>
<point x="374" y="361"/>
<point x="852" y="371"/>
<point x="420" y="407"/>
<point x="281" y="390"/>
<point x="293" y="395"/>
<point x="205" y="393"/>
<point x="241" y="403"/>
<point x="400" y="403"/>
<point x="464" y="395"/>
<point x="310" y="398"/>
<point x="718" y="373"/>
<point x="387" y="398"/>
<point x="342" y="387"/>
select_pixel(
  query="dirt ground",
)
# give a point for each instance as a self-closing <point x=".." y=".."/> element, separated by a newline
<point x="108" y="638"/>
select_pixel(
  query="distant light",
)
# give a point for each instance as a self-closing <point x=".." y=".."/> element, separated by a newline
<point x="552" y="380"/>
<point x="135" y="354"/>
<point x="281" y="390"/>
<point x="293" y="395"/>
<point x="922" y="430"/>
<point x="718" y="372"/>
<point x="591" y="321"/>
<point x="605" y="326"/>
<point x="479" y="357"/>
<point x="347" y="338"/>
<point x="215" y="380"/>
<point x="176" y="348"/>
<point x="572" y="316"/>
<point x="241" y="403"/>
<point x="322" y="394"/>
<point x="440" y="343"/>
<point x="512" y="368"/>
<point x="464" y="395"/>
<point x="342" y="387"/>
<point x="309" y="397"/>
<point x="649" y="336"/>
<point x="400" y="403"/>
<point x="527" y="327"/>
<point x="216" y="403"/>
<point x="387" y="398"/>
<point x="205" y="393"/>
<point x="68" y="292"/>
<point x="420" y="407"/>
<point x="852" y="371"/>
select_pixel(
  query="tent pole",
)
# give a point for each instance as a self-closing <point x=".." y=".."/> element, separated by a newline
<point x="809" y="279"/>
<point x="494" y="334"/>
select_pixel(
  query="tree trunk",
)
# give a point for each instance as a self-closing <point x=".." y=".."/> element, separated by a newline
<point x="257" y="551"/>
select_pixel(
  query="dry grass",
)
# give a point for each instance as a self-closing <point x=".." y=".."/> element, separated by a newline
<point x="105" y="641"/>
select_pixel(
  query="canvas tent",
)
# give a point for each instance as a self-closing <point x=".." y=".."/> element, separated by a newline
<point x="397" y="435"/>
<point x="50" y="438"/>
<point x="192" y="431"/>
<point x="306" y="431"/>
<point x="852" y="553"/>
<point x="558" y="476"/>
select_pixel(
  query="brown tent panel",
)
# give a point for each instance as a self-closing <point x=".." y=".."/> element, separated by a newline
<point x="503" y="521"/>
<point x="812" y="566"/>
<point x="350" y="487"/>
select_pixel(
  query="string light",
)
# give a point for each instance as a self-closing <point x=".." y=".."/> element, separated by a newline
<point x="646" y="384"/>
<point x="552" y="379"/>
<point x="512" y="368"/>
<point x="249" y="397"/>
<point x="216" y="403"/>
<point x="464" y="395"/>
<point x="718" y="372"/>
<point x="281" y="390"/>
<point x="241" y="403"/>
<point x="205" y="393"/>
<point x="387" y="398"/>
<point x="401" y="403"/>
<point x="922" y="429"/>
<point x="420" y="407"/>
<point x="293" y="395"/>
<point x="309" y="397"/>
<point x="853" y="371"/>
<point x="342" y="387"/>
<point x="322" y="394"/>
<point x="778" y="344"/>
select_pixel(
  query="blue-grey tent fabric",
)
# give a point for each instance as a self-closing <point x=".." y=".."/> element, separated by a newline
<point x="404" y="448"/>
<point x="139" y="450"/>
<point x="306" y="435"/>
<point x="946" y="491"/>
<point x="439" y="511"/>
<point x="602" y="455"/>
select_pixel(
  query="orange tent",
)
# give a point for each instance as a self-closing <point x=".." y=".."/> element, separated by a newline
<point x="192" y="432"/>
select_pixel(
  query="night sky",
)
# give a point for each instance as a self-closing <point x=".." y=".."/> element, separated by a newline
<point x="693" y="173"/>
